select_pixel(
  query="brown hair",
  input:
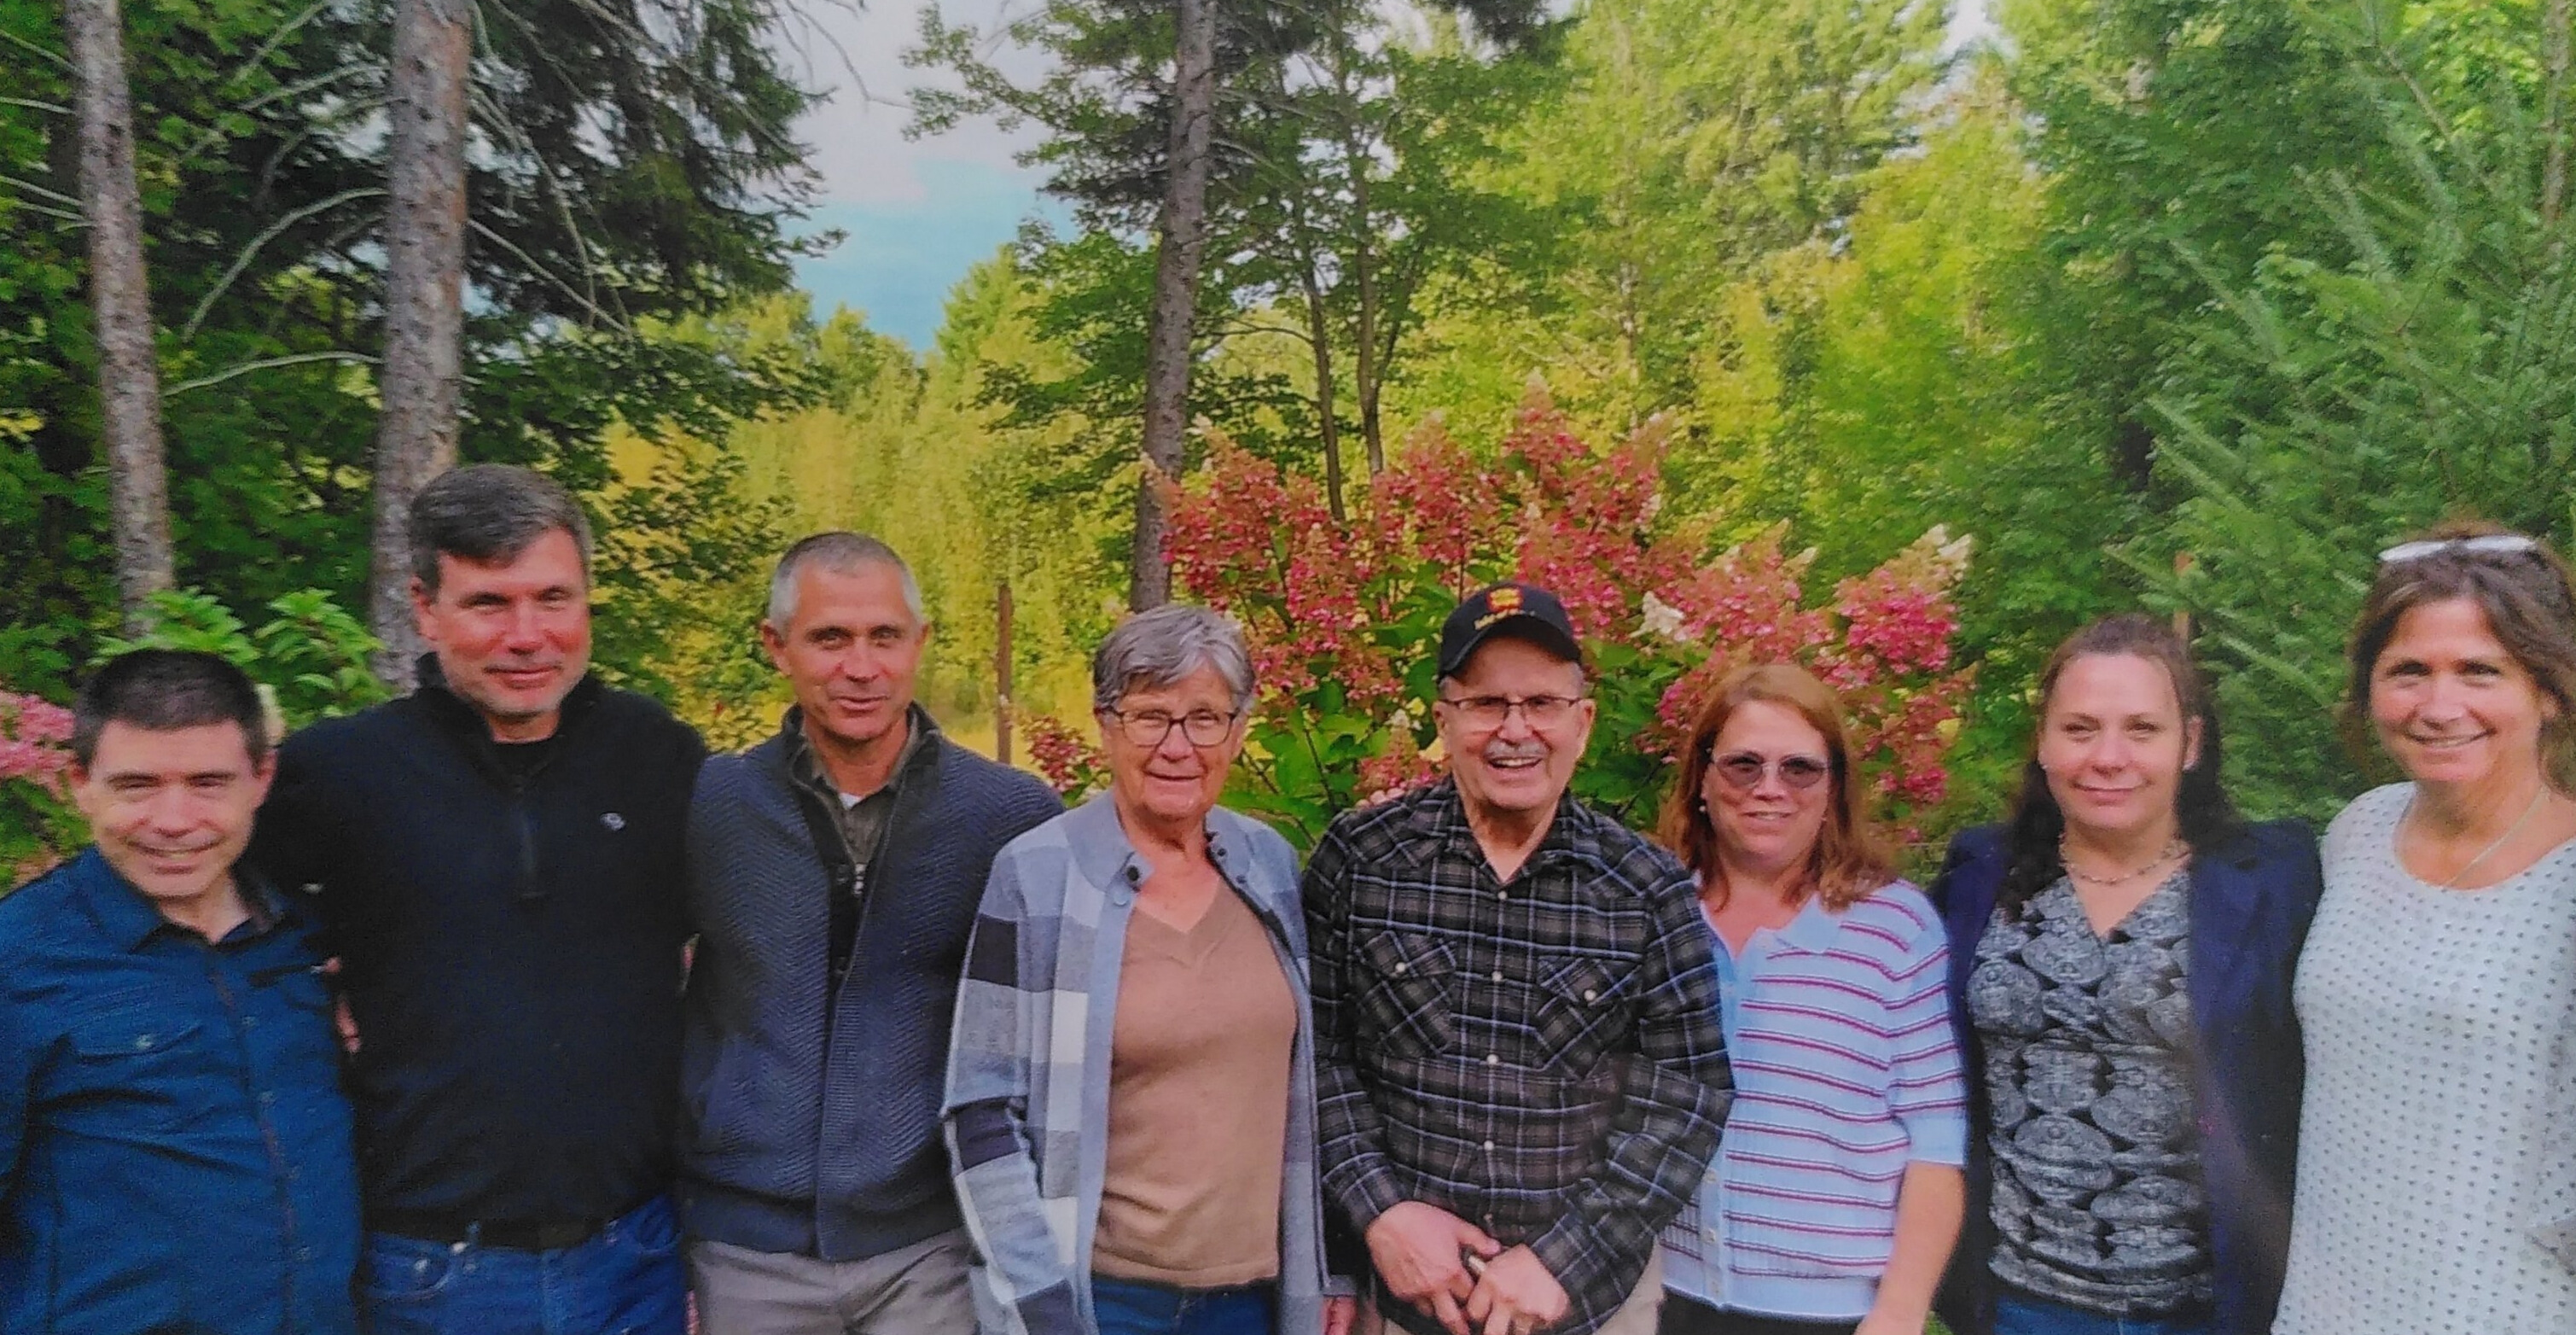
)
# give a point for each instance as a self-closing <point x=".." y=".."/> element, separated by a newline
<point x="2530" y="605"/>
<point x="1848" y="861"/>
<point x="2201" y="805"/>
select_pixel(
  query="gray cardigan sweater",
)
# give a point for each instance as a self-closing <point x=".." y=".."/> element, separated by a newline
<point x="810" y="1121"/>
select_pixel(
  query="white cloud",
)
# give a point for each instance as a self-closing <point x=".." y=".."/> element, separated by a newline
<point x="856" y="56"/>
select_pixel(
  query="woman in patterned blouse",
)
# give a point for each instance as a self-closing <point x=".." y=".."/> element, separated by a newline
<point x="2121" y="954"/>
<point x="1836" y="1195"/>
<point x="2437" y="1155"/>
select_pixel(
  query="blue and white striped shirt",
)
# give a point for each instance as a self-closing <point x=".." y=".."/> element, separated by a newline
<point x="1846" y="1072"/>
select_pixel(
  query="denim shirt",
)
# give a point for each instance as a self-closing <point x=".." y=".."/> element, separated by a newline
<point x="174" y="1143"/>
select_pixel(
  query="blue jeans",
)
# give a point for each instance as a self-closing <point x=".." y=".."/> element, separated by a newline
<point x="1126" y="1307"/>
<point x="2017" y="1315"/>
<point x="627" y="1280"/>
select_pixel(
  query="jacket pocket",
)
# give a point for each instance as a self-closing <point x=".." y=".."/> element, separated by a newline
<point x="139" y="1071"/>
<point x="1583" y="1012"/>
<point x="722" y="1104"/>
<point x="1404" y="994"/>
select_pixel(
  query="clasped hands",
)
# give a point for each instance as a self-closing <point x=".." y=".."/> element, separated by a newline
<point x="1421" y="1251"/>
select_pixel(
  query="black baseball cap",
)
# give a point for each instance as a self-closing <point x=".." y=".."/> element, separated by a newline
<point x="1522" y="611"/>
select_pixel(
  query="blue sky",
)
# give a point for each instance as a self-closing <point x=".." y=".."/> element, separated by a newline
<point x="902" y="255"/>
<point x="919" y="213"/>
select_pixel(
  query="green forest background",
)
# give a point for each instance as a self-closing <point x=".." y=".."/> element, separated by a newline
<point x="2189" y="304"/>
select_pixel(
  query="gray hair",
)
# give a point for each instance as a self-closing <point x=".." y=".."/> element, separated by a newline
<point x="842" y="553"/>
<point x="489" y="514"/>
<point x="1162" y="647"/>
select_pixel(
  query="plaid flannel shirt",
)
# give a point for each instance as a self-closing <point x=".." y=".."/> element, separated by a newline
<point x="1028" y="1075"/>
<point x="1541" y="1056"/>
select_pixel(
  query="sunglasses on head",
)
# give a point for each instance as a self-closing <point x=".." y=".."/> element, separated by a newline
<point x="1742" y="770"/>
<point x="2491" y="544"/>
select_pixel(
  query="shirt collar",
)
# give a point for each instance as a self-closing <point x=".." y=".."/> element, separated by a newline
<point x="1439" y="822"/>
<point x="127" y="916"/>
<point x="1104" y="855"/>
<point x="807" y="766"/>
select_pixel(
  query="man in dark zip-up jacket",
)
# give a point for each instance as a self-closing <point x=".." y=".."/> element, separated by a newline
<point x="834" y="873"/>
<point x="498" y="862"/>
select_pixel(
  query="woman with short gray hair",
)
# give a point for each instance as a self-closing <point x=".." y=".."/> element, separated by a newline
<point x="1166" y="1138"/>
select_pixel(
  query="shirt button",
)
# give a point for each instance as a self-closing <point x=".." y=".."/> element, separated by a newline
<point x="1498" y="975"/>
<point x="1589" y="994"/>
<point x="268" y="1099"/>
<point x="1493" y="1059"/>
<point x="1501" y="895"/>
<point x="1489" y="1147"/>
<point x="304" y="1253"/>
<point x="1710" y="1233"/>
<point x="1401" y="966"/>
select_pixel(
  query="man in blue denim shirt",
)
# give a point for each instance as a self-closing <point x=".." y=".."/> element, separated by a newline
<point x="174" y="1144"/>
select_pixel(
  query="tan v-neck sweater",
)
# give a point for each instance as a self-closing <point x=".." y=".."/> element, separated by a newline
<point x="1198" y="1103"/>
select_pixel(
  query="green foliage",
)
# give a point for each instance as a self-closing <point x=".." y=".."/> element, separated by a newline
<point x="2426" y="377"/>
<point x="630" y="162"/>
<point x="309" y="658"/>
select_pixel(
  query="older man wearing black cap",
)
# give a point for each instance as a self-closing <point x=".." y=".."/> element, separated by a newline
<point x="1518" y="1059"/>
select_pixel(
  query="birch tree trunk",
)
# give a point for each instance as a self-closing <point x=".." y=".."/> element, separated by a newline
<point x="424" y="301"/>
<point x="129" y="374"/>
<point x="1183" y="241"/>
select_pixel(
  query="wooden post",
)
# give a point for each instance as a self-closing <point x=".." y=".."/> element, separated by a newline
<point x="1002" y="672"/>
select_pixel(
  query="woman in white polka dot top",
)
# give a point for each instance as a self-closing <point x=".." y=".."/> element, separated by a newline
<point x="2437" y="1146"/>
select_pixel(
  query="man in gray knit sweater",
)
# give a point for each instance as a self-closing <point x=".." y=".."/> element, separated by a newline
<point x="834" y="872"/>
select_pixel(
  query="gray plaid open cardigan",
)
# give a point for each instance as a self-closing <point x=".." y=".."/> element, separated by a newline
<point x="1028" y="1072"/>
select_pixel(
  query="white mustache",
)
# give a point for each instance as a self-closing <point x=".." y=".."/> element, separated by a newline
<point x="1515" y="751"/>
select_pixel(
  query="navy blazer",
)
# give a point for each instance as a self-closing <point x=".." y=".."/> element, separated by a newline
<point x="2251" y="901"/>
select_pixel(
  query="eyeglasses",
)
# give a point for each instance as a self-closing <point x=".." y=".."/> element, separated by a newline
<point x="2491" y="544"/>
<point x="1744" y="771"/>
<point x="1149" y="727"/>
<point x="1487" y="712"/>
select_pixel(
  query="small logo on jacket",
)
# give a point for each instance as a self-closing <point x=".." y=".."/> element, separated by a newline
<point x="613" y="821"/>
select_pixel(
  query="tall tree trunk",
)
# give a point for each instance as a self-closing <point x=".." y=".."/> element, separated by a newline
<point x="1002" y="672"/>
<point x="1319" y="333"/>
<point x="1183" y="228"/>
<point x="129" y="373"/>
<point x="1364" y="361"/>
<point x="2553" y="101"/>
<point x="424" y="301"/>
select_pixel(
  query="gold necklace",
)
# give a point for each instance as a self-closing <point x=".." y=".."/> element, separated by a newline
<point x="2173" y="849"/>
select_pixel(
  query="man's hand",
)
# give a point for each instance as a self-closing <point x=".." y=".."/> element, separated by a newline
<point x="1339" y="1314"/>
<point x="1517" y="1296"/>
<point x="1417" y="1251"/>
<point x="341" y="1019"/>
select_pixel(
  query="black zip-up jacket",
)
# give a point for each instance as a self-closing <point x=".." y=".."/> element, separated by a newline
<point x="510" y="944"/>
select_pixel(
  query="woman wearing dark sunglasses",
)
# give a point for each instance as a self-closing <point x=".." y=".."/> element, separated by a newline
<point x="2121" y="959"/>
<point x="1836" y="1194"/>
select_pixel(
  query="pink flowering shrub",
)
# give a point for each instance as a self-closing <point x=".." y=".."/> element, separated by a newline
<point x="1073" y="766"/>
<point x="37" y="825"/>
<point x="1343" y="618"/>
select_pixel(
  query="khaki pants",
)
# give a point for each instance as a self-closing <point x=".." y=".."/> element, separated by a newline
<point x="916" y="1290"/>
<point x="1634" y="1317"/>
